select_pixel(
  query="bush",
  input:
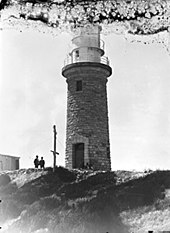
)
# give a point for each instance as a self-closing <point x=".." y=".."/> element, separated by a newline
<point x="65" y="175"/>
<point x="9" y="209"/>
<point x="8" y="189"/>
<point x="4" y="179"/>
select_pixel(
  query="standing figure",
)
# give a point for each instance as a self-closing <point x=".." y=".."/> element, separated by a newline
<point x="36" y="161"/>
<point x="42" y="163"/>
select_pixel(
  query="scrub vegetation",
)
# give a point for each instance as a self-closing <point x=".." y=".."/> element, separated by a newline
<point x="84" y="201"/>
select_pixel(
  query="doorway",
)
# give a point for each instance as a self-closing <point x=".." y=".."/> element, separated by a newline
<point x="17" y="164"/>
<point x="78" y="155"/>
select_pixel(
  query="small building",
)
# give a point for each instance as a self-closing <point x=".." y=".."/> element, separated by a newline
<point x="9" y="163"/>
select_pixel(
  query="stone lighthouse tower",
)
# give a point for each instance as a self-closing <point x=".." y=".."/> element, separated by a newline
<point x="86" y="71"/>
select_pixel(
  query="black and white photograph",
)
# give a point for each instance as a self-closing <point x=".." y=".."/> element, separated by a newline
<point x="84" y="116"/>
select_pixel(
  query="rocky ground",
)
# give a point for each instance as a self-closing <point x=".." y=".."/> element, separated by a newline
<point x="75" y="201"/>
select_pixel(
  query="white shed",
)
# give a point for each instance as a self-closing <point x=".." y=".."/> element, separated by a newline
<point x="9" y="163"/>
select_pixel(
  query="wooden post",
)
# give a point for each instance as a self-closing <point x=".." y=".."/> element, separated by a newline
<point x="55" y="136"/>
<point x="54" y="151"/>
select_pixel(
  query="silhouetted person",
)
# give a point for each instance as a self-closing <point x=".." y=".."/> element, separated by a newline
<point x="87" y="166"/>
<point x="42" y="163"/>
<point x="90" y="166"/>
<point x="36" y="161"/>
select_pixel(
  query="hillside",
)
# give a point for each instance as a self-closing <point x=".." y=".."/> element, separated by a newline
<point x="35" y="201"/>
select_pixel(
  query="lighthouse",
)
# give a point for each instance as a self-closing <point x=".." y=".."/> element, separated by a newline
<point x="86" y="70"/>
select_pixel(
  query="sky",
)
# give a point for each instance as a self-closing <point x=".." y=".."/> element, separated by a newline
<point x="33" y="97"/>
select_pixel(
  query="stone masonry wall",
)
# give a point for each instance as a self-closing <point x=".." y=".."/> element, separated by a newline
<point x="87" y="113"/>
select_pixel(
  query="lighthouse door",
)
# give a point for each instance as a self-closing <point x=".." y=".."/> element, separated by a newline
<point x="78" y="155"/>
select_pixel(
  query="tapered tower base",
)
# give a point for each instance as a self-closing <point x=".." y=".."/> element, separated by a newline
<point x="87" y="136"/>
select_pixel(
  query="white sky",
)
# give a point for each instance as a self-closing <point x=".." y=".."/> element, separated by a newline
<point x="33" y="97"/>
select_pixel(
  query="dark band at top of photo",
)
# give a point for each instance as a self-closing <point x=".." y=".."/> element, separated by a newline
<point x="140" y="17"/>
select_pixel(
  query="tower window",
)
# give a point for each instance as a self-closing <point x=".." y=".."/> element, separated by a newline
<point x="77" y="53"/>
<point x="79" y="85"/>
